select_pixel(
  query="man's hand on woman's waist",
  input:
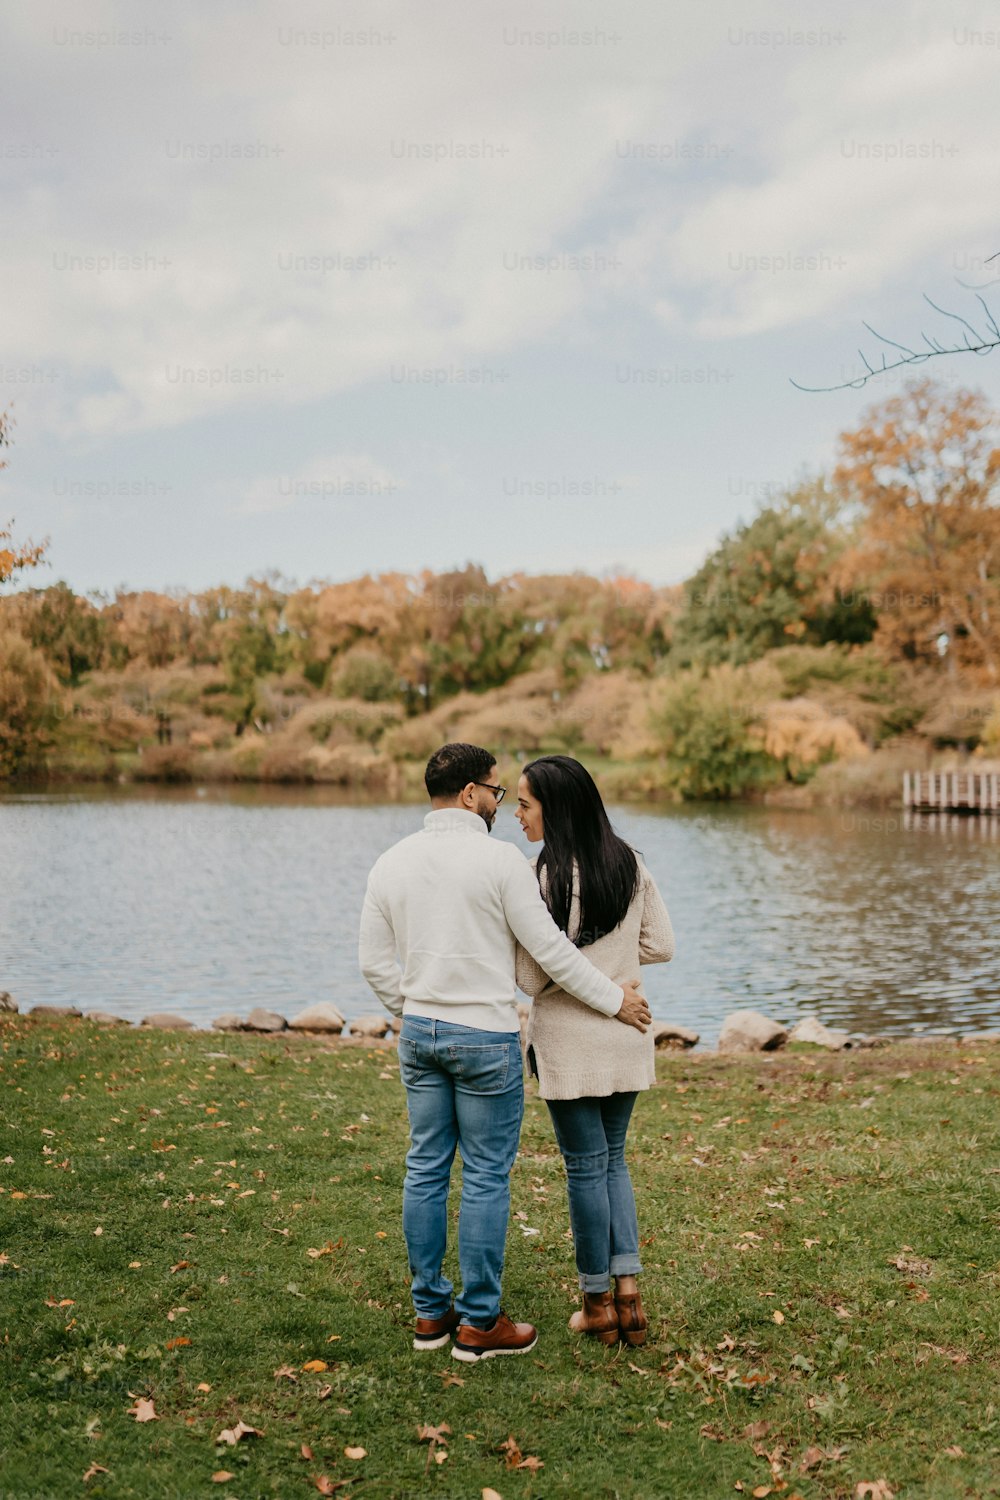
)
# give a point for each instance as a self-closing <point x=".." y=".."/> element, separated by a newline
<point x="634" y="1009"/>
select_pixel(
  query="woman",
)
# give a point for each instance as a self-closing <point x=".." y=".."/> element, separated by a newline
<point x="590" y="1070"/>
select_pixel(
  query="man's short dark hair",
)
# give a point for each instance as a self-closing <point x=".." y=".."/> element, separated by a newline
<point x="453" y="766"/>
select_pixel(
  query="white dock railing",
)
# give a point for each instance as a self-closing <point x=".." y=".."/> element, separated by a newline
<point x="955" y="791"/>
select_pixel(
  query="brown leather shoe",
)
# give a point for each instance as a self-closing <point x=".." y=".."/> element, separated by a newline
<point x="434" y="1333"/>
<point x="598" y="1317"/>
<point x="472" y="1344"/>
<point x="632" y="1320"/>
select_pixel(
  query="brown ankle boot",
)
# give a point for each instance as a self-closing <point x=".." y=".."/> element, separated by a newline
<point x="632" y="1320"/>
<point x="597" y="1317"/>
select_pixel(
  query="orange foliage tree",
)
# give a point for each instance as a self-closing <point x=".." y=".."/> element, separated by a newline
<point x="922" y="472"/>
<point x="12" y="557"/>
<point x="148" y="627"/>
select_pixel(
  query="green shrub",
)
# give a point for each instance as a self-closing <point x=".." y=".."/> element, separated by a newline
<point x="991" y="733"/>
<point x="711" y="730"/>
<point x="801" y="667"/>
<point x="366" y="675"/>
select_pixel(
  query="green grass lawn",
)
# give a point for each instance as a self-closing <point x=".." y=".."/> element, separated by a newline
<point x="219" y="1235"/>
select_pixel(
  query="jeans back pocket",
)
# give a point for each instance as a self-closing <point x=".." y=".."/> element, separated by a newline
<point x="412" y="1060"/>
<point x="481" y="1070"/>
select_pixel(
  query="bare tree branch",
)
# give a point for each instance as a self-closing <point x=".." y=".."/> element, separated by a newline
<point x="973" y="341"/>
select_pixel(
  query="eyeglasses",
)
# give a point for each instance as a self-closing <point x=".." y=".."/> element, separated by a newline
<point x="499" y="792"/>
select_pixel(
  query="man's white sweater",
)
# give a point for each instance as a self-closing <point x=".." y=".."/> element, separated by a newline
<point x="452" y="903"/>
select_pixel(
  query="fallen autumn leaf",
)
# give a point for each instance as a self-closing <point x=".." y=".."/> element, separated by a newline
<point x="143" y="1410"/>
<point x="232" y="1435"/>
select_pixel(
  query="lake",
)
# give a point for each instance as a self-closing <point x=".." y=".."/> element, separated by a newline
<point x="205" y="900"/>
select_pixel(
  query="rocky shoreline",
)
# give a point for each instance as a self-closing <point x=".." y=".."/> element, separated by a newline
<point x="742" y="1030"/>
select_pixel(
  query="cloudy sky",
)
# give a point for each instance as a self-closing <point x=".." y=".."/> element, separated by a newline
<point x="331" y="288"/>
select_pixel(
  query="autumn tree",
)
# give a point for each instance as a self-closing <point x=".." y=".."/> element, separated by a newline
<point x="637" y="622"/>
<point x="29" y="695"/>
<point x="326" y="623"/>
<point x="922" y="473"/>
<point x="768" y="584"/>
<point x="477" y="634"/>
<point x="251" y="647"/>
<point x="68" y="630"/>
<point x="30" y="705"/>
<point x="206" y="613"/>
<point x="14" y="557"/>
<point x="147" y="627"/>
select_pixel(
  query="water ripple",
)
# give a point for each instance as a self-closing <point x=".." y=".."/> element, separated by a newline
<point x="199" y="903"/>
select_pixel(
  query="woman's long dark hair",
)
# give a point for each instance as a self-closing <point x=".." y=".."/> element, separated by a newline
<point x="577" y="828"/>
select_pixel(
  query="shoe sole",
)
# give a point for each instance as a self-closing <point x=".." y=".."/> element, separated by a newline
<point x="473" y="1356"/>
<point x="605" y="1336"/>
<point x="434" y="1343"/>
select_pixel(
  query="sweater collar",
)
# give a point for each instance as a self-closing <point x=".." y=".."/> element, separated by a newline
<point x="454" y="820"/>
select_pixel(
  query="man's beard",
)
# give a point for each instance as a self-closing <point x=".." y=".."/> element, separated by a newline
<point x="489" y="818"/>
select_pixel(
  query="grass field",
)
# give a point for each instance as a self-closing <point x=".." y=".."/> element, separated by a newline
<point x="201" y="1230"/>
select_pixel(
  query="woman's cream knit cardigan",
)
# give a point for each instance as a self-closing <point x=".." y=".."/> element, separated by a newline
<point x="579" y="1052"/>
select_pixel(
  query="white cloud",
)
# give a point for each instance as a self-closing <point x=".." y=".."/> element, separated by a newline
<point x="338" y="477"/>
<point x="316" y="250"/>
<point x="193" y="176"/>
<point x="254" y="208"/>
<point x="866" y="177"/>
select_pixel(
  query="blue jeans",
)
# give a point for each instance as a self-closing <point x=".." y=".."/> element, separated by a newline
<point x="591" y="1135"/>
<point x="464" y="1089"/>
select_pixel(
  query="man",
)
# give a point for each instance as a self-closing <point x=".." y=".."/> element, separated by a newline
<point x="451" y="902"/>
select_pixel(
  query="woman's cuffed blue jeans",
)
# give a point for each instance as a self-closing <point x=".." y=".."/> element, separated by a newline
<point x="464" y="1090"/>
<point x="591" y="1135"/>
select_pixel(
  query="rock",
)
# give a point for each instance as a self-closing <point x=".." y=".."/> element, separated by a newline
<point x="370" y="1026"/>
<point x="319" y="1017"/>
<point x="229" y="1022"/>
<point x="165" y="1021"/>
<point x="55" y="1010"/>
<point x="978" y="1037"/>
<point x="862" y="1039"/>
<point x="105" y="1018"/>
<point x="809" y="1029"/>
<point x="668" y="1036"/>
<point x="7" y="1001"/>
<point x="260" y="1019"/>
<point x="749" y="1031"/>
